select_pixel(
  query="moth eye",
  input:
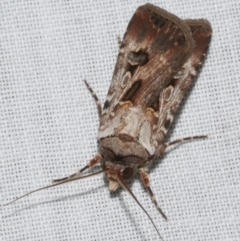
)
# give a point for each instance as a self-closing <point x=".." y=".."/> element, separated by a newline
<point x="137" y="58"/>
<point x="127" y="173"/>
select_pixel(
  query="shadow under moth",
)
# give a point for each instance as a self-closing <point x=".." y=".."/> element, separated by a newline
<point x="159" y="56"/>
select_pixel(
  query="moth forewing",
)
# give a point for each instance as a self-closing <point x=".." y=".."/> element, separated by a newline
<point x="158" y="59"/>
<point x="172" y="96"/>
<point x="154" y="47"/>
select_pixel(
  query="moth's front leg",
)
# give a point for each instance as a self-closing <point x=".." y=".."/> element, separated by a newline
<point x="94" y="95"/>
<point x="146" y="183"/>
<point x="95" y="160"/>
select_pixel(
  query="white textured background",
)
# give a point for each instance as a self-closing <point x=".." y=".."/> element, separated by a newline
<point x="49" y="126"/>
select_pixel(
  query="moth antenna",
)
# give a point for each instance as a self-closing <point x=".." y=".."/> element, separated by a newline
<point x="189" y="138"/>
<point x="53" y="185"/>
<point x="125" y="186"/>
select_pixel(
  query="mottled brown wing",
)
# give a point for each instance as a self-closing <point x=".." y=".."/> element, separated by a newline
<point x="171" y="98"/>
<point x="154" y="48"/>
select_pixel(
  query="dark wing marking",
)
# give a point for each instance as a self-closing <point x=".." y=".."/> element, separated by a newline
<point x="155" y="46"/>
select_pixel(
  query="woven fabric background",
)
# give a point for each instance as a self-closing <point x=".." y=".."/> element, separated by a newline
<point x="49" y="126"/>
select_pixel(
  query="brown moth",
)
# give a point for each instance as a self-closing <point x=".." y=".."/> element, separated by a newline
<point x="158" y="59"/>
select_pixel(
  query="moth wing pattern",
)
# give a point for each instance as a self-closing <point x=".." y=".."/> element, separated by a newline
<point x="154" y="47"/>
<point x="172" y="96"/>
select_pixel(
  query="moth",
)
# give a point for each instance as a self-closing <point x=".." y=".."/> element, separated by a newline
<point x="159" y="56"/>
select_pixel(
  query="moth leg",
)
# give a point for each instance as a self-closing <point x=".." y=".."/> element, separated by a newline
<point x="178" y="141"/>
<point x="91" y="163"/>
<point x="98" y="103"/>
<point x="146" y="183"/>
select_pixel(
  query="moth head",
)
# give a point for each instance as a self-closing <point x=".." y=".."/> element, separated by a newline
<point x="114" y="170"/>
